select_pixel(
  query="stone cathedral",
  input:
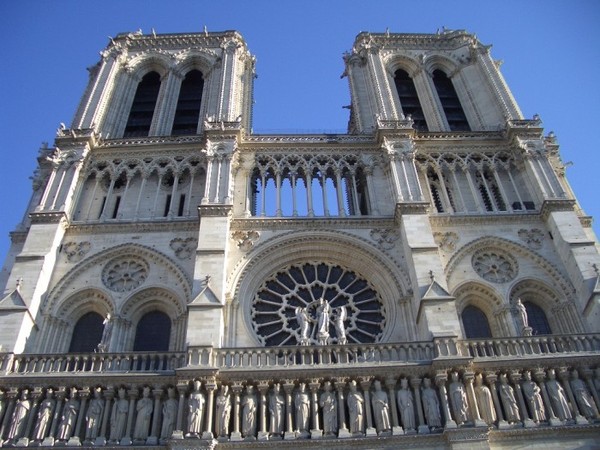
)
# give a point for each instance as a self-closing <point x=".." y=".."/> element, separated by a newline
<point x="426" y="279"/>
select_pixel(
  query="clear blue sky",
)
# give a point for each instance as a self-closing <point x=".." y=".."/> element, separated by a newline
<point x="550" y="50"/>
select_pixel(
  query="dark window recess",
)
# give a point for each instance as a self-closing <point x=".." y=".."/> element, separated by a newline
<point x="102" y="207"/>
<point x="187" y="112"/>
<point x="153" y="333"/>
<point x="87" y="333"/>
<point x="116" y="209"/>
<point x="537" y="319"/>
<point x="181" y="205"/>
<point x="475" y="323"/>
<point x="142" y="108"/>
<point x="450" y="102"/>
<point x="409" y="100"/>
<point x="167" y="206"/>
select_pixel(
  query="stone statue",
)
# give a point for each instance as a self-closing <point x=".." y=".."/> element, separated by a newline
<point x="302" y="403"/>
<point x="406" y="406"/>
<point x="144" y="410"/>
<point x="458" y="399"/>
<point x="533" y="398"/>
<point x="381" y="408"/>
<point x="69" y="417"/>
<point x="18" y="422"/>
<point x="522" y="313"/>
<point x="93" y="417"/>
<point x="304" y="325"/>
<point x="195" y="410"/>
<point x="276" y="410"/>
<point x="431" y="405"/>
<point x="328" y="404"/>
<point x="558" y="399"/>
<point x="249" y="413"/>
<point x="509" y="402"/>
<point x="118" y="418"/>
<point x="484" y="399"/>
<point x="338" y="320"/>
<point x="323" y="313"/>
<point x="169" y="414"/>
<point x="44" y="416"/>
<point x="356" y="410"/>
<point x="223" y="404"/>
<point x="584" y="399"/>
<point x="106" y="334"/>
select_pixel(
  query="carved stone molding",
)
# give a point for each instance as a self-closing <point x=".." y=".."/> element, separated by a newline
<point x="494" y="265"/>
<point x="75" y="251"/>
<point x="245" y="239"/>
<point x="125" y="273"/>
<point x="385" y="238"/>
<point x="446" y="241"/>
<point x="533" y="238"/>
<point x="183" y="248"/>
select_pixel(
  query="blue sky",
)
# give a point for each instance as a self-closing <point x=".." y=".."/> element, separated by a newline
<point x="550" y="50"/>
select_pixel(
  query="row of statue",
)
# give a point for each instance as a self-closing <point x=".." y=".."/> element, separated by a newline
<point x="291" y="410"/>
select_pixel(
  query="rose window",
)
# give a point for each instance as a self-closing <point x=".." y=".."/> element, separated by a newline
<point x="494" y="266"/>
<point x="317" y="303"/>
<point x="125" y="274"/>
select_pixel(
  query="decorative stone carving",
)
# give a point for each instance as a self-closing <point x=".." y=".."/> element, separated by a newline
<point x="381" y="409"/>
<point x="328" y="404"/>
<point x="184" y="248"/>
<point x="495" y="266"/>
<point x="125" y="273"/>
<point x="69" y="417"/>
<point x="223" y="404"/>
<point x="431" y="405"/>
<point x="485" y="402"/>
<point x="458" y="399"/>
<point x="509" y="402"/>
<point x="20" y="413"/>
<point x="584" y="399"/>
<point x="302" y="404"/>
<point x="196" y="404"/>
<point x="558" y="398"/>
<point x="169" y="414"/>
<point x="446" y="241"/>
<point x="118" y="418"/>
<point x="385" y="238"/>
<point x="276" y="411"/>
<point x="144" y="410"/>
<point x="106" y="334"/>
<point x="75" y="251"/>
<point x="93" y="416"/>
<point x="533" y="238"/>
<point x="249" y="404"/>
<point x="245" y="239"/>
<point x="286" y="299"/>
<point x="356" y="410"/>
<point x="406" y="407"/>
<point x="533" y="398"/>
<point x="44" y="416"/>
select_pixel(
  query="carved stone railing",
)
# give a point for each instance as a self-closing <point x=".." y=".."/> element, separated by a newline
<point x="298" y="357"/>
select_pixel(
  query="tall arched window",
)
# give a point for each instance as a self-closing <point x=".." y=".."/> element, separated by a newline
<point x="188" y="105"/>
<point x="153" y="333"/>
<point x="142" y="108"/>
<point x="475" y="323"/>
<point x="87" y="333"/>
<point x="409" y="100"/>
<point x="537" y="319"/>
<point x="450" y="102"/>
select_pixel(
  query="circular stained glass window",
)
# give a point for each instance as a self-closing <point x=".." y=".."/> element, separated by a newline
<point x="317" y="304"/>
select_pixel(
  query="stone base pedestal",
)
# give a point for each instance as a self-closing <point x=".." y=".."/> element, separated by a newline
<point x="126" y="441"/>
<point x="530" y="423"/>
<point x="371" y="432"/>
<point x="208" y="435"/>
<point x="503" y="425"/>
<point x="23" y="442"/>
<point x="424" y="429"/>
<point x="263" y="436"/>
<point x="451" y="424"/>
<point x="397" y="430"/>
<point x="316" y="434"/>
<point x="289" y="435"/>
<point x="152" y="440"/>
<point x="177" y="434"/>
<point x="580" y="420"/>
<point x="236" y="436"/>
<point x="74" y="441"/>
<point x="48" y="442"/>
<point x="344" y="433"/>
<point x="480" y="423"/>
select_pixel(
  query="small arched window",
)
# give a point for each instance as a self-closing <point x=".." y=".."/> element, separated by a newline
<point x="87" y="333"/>
<point x="537" y="319"/>
<point x="153" y="333"/>
<point x="142" y="108"/>
<point x="187" y="113"/>
<point x="475" y="323"/>
<point x="450" y="102"/>
<point x="409" y="99"/>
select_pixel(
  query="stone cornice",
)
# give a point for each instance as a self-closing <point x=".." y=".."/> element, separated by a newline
<point x="554" y="205"/>
<point x="308" y="139"/>
<point x="133" y="227"/>
<point x="303" y="223"/>
<point x="410" y="208"/>
<point x="42" y="217"/>
<point x="197" y="139"/>
<point x="214" y="210"/>
<point x="446" y="40"/>
<point x="138" y="41"/>
<point x="449" y="220"/>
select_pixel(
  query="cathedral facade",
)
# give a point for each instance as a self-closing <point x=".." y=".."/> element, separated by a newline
<point x="426" y="279"/>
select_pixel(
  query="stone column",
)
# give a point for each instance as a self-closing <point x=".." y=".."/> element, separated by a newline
<point x="263" y="388"/>
<point x="154" y="431"/>
<point x="440" y="381"/>
<point x="210" y="386"/>
<point x="133" y="395"/>
<point x="288" y="388"/>
<point x="416" y="385"/>
<point x="60" y="398"/>
<point x="540" y="377"/>
<point x="515" y="378"/>
<point x="236" y="388"/>
<point x="340" y="385"/>
<point x="390" y="384"/>
<point x="587" y="373"/>
<point x="365" y="384"/>
<point x="563" y="374"/>
<point x="491" y="378"/>
<point x="315" y="433"/>
<point x="178" y="431"/>
<point x="108" y="395"/>
<point x="74" y="440"/>
<point x="477" y="421"/>
<point x="35" y="403"/>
